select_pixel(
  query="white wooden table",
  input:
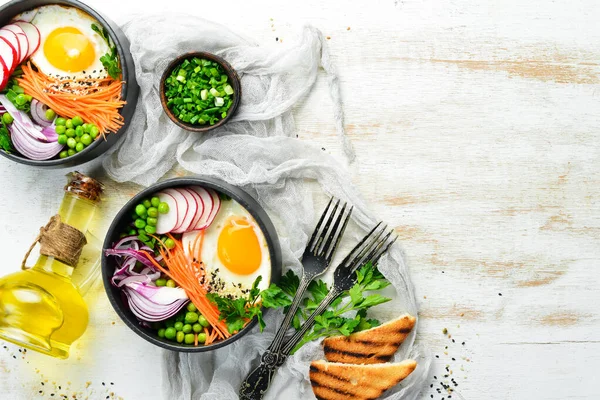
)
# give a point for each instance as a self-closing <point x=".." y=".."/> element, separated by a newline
<point x="476" y="129"/>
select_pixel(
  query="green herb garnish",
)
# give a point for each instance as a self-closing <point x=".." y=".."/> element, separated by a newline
<point x="5" y="141"/>
<point x="335" y="321"/>
<point x="16" y="95"/>
<point x="236" y="312"/>
<point x="110" y="60"/>
<point x="198" y="92"/>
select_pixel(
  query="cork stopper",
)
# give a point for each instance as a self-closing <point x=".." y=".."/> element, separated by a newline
<point x="83" y="186"/>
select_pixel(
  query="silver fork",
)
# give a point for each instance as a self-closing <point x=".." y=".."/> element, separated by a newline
<point x="315" y="260"/>
<point x="368" y="250"/>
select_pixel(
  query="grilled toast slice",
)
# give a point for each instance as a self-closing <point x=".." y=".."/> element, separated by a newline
<point x="336" y="381"/>
<point x="371" y="346"/>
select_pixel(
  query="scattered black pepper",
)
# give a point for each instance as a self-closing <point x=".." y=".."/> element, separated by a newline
<point x="499" y="294"/>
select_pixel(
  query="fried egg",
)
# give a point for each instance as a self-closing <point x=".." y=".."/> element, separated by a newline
<point x="69" y="47"/>
<point x="235" y="252"/>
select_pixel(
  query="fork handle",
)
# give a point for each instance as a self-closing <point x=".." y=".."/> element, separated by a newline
<point x="258" y="380"/>
<point x="310" y="321"/>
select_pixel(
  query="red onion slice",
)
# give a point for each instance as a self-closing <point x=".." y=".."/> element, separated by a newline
<point x="38" y="113"/>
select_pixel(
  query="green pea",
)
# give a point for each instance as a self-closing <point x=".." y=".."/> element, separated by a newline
<point x="201" y="337"/>
<point x="79" y="131"/>
<point x="140" y="223"/>
<point x="191" y="317"/>
<point x="147" y="203"/>
<point x="50" y="114"/>
<point x="197" y="328"/>
<point x="69" y="124"/>
<point x="169" y="323"/>
<point x="79" y="147"/>
<point x="191" y="307"/>
<point x="169" y="243"/>
<point x="161" y="282"/>
<point x="70" y="132"/>
<point x="163" y="208"/>
<point x="94" y="131"/>
<point x="21" y="99"/>
<point x="63" y="154"/>
<point x="60" y="129"/>
<point x="170" y="333"/>
<point x="189" y="338"/>
<point x="203" y="321"/>
<point x="62" y="139"/>
<point x="7" y="118"/>
<point x="77" y="139"/>
<point x="71" y="143"/>
<point x="86" y="139"/>
<point x="77" y="121"/>
<point x="155" y="201"/>
<point x="180" y="337"/>
<point x="60" y="121"/>
<point x="153" y="212"/>
<point x="86" y="127"/>
<point x="151" y="221"/>
<point x="132" y="232"/>
<point x="187" y="328"/>
<point x="140" y="210"/>
<point x="150" y="229"/>
<point x="161" y="333"/>
<point x="178" y="325"/>
<point x="170" y="283"/>
<point x="71" y="152"/>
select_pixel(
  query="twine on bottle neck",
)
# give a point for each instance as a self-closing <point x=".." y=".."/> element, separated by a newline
<point x="59" y="240"/>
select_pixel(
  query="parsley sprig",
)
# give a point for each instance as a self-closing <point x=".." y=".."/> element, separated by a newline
<point x="110" y="60"/>
<point x="5" y="141"/>
<point x="339" y="318"/>
<point x="237" y="312"/>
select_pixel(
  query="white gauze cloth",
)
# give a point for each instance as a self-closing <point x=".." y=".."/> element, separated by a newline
<point x="257" y="151"/>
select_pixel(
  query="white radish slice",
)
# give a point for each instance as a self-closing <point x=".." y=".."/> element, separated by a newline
<point x="182" y="207"/>
<point x="209" y="204"/>
<point x="11" y="38"/>
<point x="200" y="209"/>
<point x="167" y="222"/>
<point x="216" y="206"/>
<point x="187" y="242"/>
<point x="7" y="55"/>
<point x="22" y="38"/>
<point x="191" y="211"/>
<point x="33" y="36"/>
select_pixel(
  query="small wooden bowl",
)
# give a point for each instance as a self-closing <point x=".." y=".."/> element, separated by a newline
<point x="234" y="81"/>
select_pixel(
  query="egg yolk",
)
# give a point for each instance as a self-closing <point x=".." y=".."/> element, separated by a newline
<point x="238" y="246"/>
<point x="69" y="50"/>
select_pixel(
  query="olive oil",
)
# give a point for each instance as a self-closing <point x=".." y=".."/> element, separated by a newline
<point x="41" y="308"/>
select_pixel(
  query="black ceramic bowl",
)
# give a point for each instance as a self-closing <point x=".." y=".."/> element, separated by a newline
<point x="234" y="81"/>
<point x="123" y="218"/>
<point x="129" y="92"/>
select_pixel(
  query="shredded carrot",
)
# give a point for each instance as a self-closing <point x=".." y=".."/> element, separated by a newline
<point x="96" y="101"/>
<point x="195" y="339"/>
<point x="188" y="274"/>
<point x="209" y="337"/>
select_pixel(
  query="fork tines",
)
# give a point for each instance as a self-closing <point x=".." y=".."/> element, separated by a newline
<point x="327" y="235"/>
<point x="370" y="248"/>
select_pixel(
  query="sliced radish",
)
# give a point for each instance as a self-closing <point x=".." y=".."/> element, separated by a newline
<point x="12" y="39"/>
<point x="200" y="210"/>
<point x="187" y="242"/>
<point x="167" y="222"/>
<point x="182" y="206"/>
<point x="4" y="74"/>
<point x="22" y="38"/>
<point x="7" y="54"/>
<point x="191" y="211"/>
<point x="209" y="204"/>
<point x="216" y="207"/>
<point x="33" y="36"/>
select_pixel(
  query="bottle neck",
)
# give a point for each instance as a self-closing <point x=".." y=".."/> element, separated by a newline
<point x="78" y="213"/>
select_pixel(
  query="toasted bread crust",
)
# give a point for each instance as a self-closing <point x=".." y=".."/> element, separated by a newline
<point x="372" y="346"/>
<point x="335" y="381"/>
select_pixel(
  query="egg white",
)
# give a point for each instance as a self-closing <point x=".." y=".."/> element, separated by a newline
<point x="47" y="19"/>
<point x="235" y="284"/>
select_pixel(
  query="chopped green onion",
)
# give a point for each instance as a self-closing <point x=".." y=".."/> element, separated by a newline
<point x="228" y="89"/>
<point x="219" y="101"/>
